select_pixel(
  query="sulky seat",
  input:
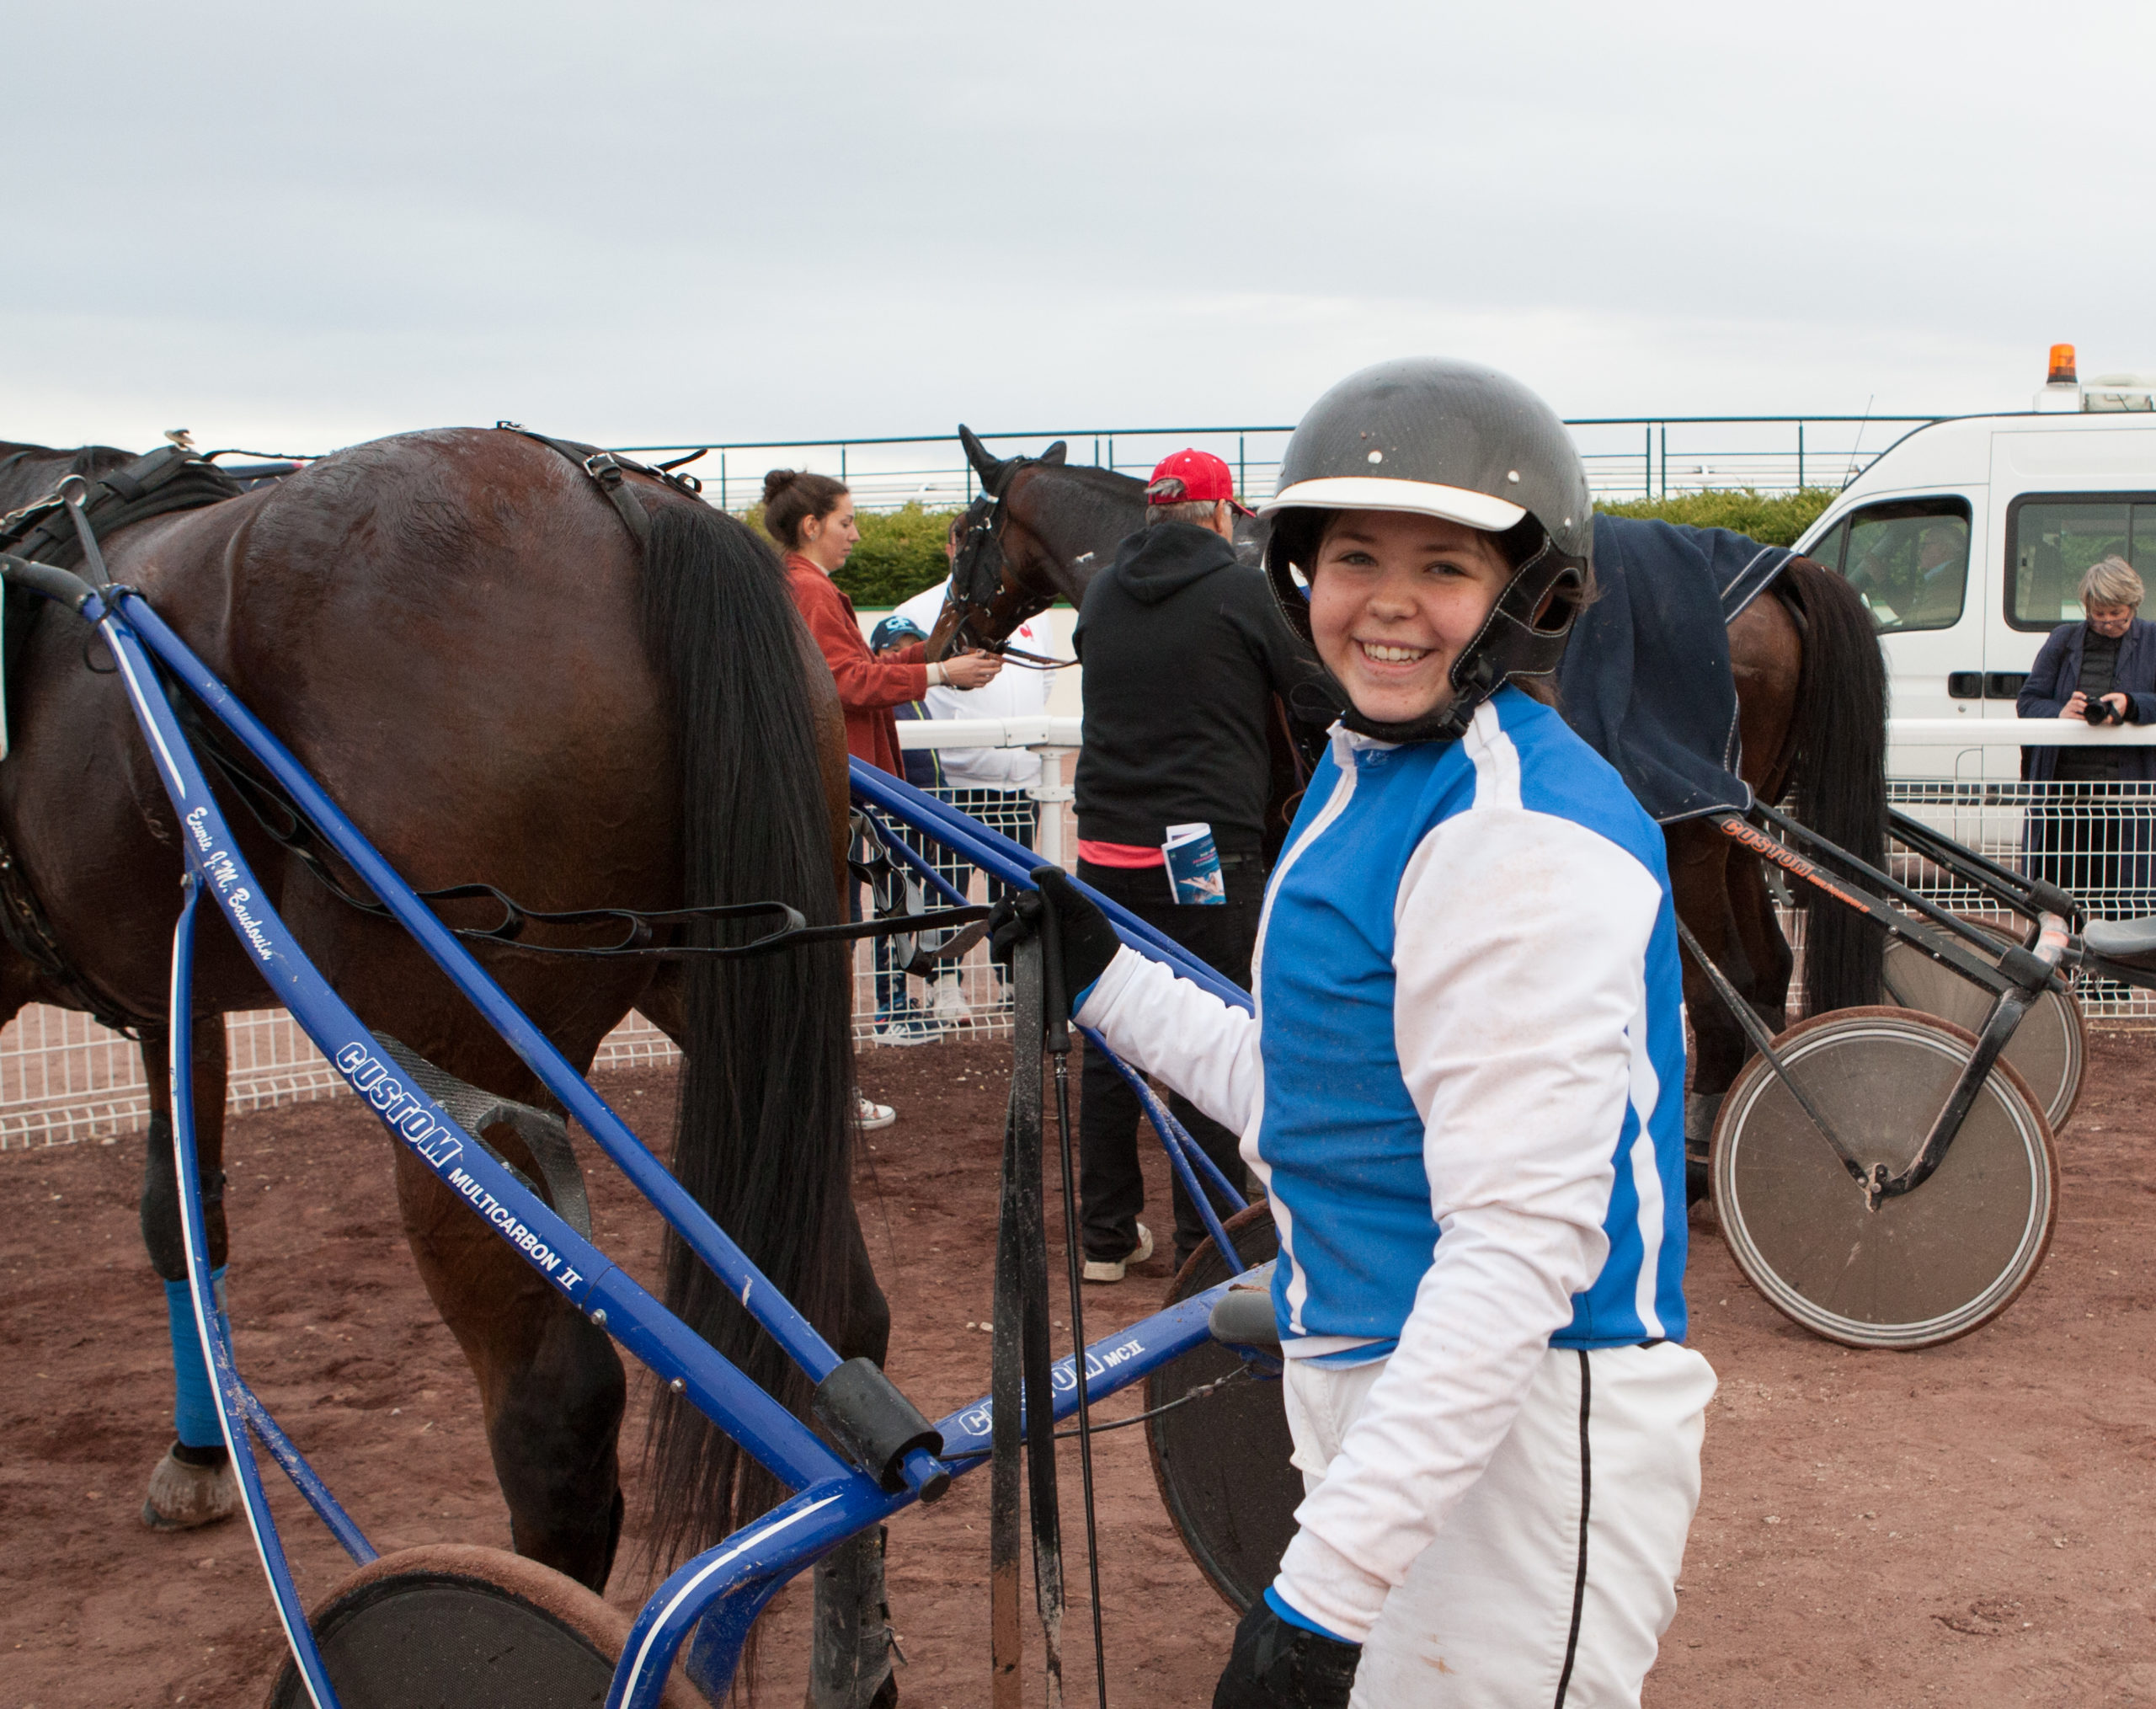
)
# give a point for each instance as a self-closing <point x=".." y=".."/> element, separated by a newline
<point x="2129" y="942"/>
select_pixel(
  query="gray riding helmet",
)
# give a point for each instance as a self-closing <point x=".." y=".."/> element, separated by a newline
<point x="1464" y="442"/>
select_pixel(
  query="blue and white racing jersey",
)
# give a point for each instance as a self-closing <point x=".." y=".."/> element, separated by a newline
<point x="1463" y="1089"/>
<point x="1460" y="939"/>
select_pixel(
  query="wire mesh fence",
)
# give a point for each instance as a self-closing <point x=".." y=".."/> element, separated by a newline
<point x="63" y="1078"/>
<point x="966" y="996"/>
<point x="2094" y="840"/>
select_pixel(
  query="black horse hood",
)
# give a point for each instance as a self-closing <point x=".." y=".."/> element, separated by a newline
<point x="1162" y="560"/>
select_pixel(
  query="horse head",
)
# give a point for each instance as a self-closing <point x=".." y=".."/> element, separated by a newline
<point x="1038" y="533"/>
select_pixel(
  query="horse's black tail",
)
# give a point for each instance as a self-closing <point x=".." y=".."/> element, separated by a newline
<point x="1841" y="774"/>
<point x="765" y="1134"/>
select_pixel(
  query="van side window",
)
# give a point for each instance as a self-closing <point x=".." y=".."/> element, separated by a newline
<point x="2053" y="539"/>
<point x="1827" y="550"/>
<point x="1910" y="561"/>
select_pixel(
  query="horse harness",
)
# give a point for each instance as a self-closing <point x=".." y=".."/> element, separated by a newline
<point x="167" y="480"/>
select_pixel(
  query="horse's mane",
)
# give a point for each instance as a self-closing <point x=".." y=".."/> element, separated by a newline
<point x="1065" y="496"/>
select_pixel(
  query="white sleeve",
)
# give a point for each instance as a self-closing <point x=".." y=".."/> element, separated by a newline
<point x="1520" y="956"/>
<point x="1157" y="1021"/>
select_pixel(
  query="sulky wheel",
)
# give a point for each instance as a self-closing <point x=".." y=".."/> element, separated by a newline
<point x="448" y="1626"/>
<point x="1924" y="1267"/>
<point x="1222" y="1461"/>
<point x="2049" y="1049"/>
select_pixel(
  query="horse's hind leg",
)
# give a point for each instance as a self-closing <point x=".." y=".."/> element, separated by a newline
<point x="1701" y="872"/>
<point x="194" y="1483"/>
<point x="551" y="1384"/>
<point x="1766" y="948"/>
<point x="850" y="1657"/>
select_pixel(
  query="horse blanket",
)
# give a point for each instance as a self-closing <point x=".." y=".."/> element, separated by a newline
<point x="1646" y="678"/>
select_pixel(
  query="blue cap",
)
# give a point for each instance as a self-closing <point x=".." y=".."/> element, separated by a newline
<point x="895" y="631"/>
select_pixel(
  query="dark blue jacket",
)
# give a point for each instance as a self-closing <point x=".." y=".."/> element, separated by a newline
<point x="2056" y="672"/>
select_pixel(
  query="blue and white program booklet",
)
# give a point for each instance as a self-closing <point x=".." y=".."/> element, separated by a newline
<point x="1194" y="866"/>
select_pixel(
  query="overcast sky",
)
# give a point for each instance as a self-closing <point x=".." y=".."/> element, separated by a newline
<point x="293" y="226"/>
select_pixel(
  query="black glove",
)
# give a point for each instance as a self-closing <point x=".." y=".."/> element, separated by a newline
<point x="1275" y="1665"/>
<point x="1087" y="941"/>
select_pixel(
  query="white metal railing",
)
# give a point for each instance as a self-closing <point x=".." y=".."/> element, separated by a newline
<point x="1626" y="457"/>
<point x="64" y="1078"/>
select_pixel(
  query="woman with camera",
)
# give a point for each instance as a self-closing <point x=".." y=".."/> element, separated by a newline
<point x="2093" y="837"/>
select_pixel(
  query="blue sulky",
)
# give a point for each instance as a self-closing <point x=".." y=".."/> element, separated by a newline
<point x="717" y="1596"/>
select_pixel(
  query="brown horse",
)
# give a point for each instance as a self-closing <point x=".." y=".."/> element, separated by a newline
<point x="458" y="635"/>
<point x="1811" y="708"/>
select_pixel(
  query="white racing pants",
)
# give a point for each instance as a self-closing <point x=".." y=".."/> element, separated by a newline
<point x="1552" y="1581"/>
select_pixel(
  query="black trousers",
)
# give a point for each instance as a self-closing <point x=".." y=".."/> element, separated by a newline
<point x="1111" y="1191"/>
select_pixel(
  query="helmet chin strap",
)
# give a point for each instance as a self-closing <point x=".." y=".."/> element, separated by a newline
<point x="1447" y="723"/>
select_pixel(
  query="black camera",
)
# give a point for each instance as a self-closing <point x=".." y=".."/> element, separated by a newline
<point x="2099" y="711"/>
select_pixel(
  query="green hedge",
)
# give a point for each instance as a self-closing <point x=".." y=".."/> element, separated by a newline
<point x="1772" y="519"/>
<point x="901" y="552"/>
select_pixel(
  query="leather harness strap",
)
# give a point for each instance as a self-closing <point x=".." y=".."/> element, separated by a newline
<point x="611" y="472"/>
<point x="168" y="480"/>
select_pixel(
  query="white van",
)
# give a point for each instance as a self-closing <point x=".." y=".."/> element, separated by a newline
<point x="1968" y="539"/>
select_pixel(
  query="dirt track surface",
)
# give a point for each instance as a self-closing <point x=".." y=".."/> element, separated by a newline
<point x="1968" y="1525"/>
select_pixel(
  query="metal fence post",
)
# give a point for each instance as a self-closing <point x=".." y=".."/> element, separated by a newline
<point x="841" y="465"/>
<point x="1242" y="469"/>
<point x="1646" y="460"/>
<point x="1050" y="793"/>
<point x="1800" y="456"/>
<point x="1665" y="459"/>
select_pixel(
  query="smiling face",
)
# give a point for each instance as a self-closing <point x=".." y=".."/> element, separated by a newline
<point x="1394" y="599"/>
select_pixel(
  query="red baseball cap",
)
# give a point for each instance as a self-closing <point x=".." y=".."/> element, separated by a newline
<point x="1192" y="478"/>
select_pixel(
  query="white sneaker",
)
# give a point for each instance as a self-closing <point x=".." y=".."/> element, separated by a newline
<point x="949" y="1005"/>
<point x="912" y="1030"/>
<point x="874" y="1114"/>
<point x="1112" y="1269"/>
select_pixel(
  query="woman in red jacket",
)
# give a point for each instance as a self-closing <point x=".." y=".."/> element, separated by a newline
<point x="811" y="516"/>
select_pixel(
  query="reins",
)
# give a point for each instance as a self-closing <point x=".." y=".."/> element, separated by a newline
<point x="282" y="822"/>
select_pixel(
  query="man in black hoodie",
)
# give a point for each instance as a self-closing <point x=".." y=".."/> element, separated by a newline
<point x="1183" y="652"/>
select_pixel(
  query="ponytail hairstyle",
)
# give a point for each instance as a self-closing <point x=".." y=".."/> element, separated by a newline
<point x="791" y="497"/>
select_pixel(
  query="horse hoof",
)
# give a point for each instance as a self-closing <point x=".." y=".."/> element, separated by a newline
<point x="184" y="1497"/>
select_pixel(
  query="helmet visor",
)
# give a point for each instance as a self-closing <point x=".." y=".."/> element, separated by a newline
<point x="1460" y="504"/>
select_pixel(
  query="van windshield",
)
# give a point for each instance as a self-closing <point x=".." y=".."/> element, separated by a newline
<point x="1910" y="561"/>
<point x="2056" y="539"/>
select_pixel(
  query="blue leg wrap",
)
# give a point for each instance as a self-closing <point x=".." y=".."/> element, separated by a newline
<point x="194" y="1412"/>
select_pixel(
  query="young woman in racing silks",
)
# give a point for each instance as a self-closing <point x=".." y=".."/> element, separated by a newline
<point x="1462" y="1090"/>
